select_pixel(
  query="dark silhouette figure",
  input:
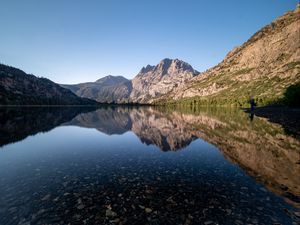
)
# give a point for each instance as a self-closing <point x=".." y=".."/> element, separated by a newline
<point x="252" y="104"/>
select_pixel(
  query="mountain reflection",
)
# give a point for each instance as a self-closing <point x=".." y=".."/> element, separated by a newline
<point x="261" y="148"/>
<point x="150" y="125"/>
<point x="16" y="123"/>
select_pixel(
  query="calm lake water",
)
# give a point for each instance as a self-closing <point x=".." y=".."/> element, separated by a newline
<point x="74" y="165"/>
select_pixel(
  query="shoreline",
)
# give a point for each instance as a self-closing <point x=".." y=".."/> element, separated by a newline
<point x="288" y="118"/>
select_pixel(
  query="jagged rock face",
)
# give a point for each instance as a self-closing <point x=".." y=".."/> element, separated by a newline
<point x="107" y="89"/>
<point x="263" y="66"/>
<point x="154" y="81"/>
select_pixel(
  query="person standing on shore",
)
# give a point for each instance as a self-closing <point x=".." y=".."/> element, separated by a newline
<point x="252" y="103"/>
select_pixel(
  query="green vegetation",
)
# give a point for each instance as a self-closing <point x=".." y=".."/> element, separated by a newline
<point x="243" y="71"/>
<point x="292" y="65"/>
<point x="292" y="95"/>
<point x="197" y="102"/>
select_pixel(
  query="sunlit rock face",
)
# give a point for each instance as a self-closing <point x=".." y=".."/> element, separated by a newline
<point x="154" y="81"/>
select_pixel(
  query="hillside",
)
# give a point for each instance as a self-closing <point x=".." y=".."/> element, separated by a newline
<point x="19" y="88"/>
<point x="263" y="67"/>
<point x="107" y="89"/>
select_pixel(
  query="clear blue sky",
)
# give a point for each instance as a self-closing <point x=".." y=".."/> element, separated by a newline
<point x="70" y="41"/>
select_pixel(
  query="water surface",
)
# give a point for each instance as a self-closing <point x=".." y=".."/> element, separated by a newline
<point x="145" y="165"/>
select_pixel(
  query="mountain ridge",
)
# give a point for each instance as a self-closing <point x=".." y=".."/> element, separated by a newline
<point x="20" y="88"/>
<point x="150" y="81"/>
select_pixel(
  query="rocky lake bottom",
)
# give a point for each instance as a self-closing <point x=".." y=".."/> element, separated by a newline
<point x="146" y="165"/>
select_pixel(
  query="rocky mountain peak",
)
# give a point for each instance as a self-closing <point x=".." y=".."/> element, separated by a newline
<point x="169" y="66"/>
<point x="154" y="81"/>
<point x="111" y="80"/>
<point x="164" y="65"/>
<point x="146" y="69"/>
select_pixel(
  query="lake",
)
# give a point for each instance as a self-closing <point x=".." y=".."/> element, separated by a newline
<point x="146" y="165"/>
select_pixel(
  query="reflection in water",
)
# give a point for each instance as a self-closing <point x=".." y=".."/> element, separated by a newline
<point x="259" y="147"/>
<point x="18" y="123"/>
<point x="251" y="116"/>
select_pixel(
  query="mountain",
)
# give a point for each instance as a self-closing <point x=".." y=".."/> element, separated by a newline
<point x="19" y="88"/>
<point x="149" y="83"/>
<point x="155" y="81"/>
<point x="107" y="89"/>
<point x="263" y="67"/>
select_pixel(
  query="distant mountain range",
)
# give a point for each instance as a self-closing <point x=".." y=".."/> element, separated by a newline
<point x="263" y="67"/>
<point x="151" y="82"/>
<point x="107" y="89"/>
